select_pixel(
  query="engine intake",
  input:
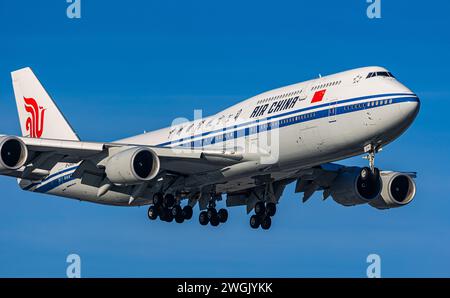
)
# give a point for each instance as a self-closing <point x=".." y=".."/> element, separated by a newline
<point x="356" y="186"/>
<point x="13" y="153"/>
<point x="398" y="190"/>
<point x="132" y="166"/>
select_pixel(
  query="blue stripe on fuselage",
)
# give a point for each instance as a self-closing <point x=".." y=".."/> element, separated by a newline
<point x="286" y="114"/>
<point x="50" y="177"/>
<point x="276" y="122"/>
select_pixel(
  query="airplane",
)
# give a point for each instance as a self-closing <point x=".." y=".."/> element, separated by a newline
<point x="246" y="153"/>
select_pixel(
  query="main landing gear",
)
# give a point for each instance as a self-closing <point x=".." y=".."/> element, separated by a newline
<point x="263" y="215"/>
<point x="167" y="209"/>
<point x="212" y="216"/>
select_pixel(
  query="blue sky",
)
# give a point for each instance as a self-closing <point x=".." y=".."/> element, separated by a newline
<point x="125" y="68"/>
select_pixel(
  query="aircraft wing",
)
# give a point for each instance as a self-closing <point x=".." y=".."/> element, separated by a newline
<point x="114" y="165"/>
<point x="317" y="178"/>
<point x="44" y="154"/>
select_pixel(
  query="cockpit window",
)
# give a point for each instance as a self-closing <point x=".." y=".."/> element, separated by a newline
<point x="380" y="74"/>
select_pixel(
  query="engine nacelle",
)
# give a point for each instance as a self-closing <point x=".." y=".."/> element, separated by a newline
<point x="132" y="166"/>
<point x="398" y="190"/>
<point x="355" y="186"/>
<point x="13" y="153"/>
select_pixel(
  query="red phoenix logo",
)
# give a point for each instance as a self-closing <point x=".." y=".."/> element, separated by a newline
<point x="35" y="122"/>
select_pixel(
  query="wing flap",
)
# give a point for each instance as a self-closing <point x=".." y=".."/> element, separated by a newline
<point x="63" y="147"/>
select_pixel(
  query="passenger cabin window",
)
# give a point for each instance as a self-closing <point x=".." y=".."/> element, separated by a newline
<point x="329" y="84"/>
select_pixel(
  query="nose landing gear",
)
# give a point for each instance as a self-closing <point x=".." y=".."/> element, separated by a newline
<point x="371" y="150"/>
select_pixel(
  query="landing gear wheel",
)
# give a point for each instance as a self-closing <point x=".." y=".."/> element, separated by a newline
<point x="179" y="218"/>
<point x="152" y="213"/>
<point x="157" y="198"/>
<point x="214" y="220"/>
<point x="266" y="223"/>
<point x="162" y="212"/>
<point x="254" y="221"/>
<point x="212" y="212"/>
<point x="187" y="212"/>
<point x="260" y="208"/>
<point x="271" y="209"/>
<point x="169" y="216"/>
<point x="169" y="200"/>
<point x="165" y="214"/>
<point x="203" y="218"/>
<point x="223" y="215"/>
<point x="176" y="211"/>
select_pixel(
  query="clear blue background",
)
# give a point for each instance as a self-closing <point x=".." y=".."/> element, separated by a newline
<point x="134" y="66"/>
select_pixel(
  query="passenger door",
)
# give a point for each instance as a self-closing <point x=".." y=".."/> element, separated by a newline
<point x="332" y="111"/>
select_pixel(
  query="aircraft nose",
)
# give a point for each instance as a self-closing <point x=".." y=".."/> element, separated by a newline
<point x="410" y="109"/>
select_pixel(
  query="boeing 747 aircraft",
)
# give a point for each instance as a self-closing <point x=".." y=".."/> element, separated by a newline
<point x="247" y="153"/>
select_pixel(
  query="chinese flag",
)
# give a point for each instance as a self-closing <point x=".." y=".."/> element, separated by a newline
<point x="318" y="96"/>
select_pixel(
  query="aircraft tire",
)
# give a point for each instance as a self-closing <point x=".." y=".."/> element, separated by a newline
<point x="266" y="223"/>
<point x="260" y="208"/>
<point x="254" y="221"/>
<point x="203" y="218"/>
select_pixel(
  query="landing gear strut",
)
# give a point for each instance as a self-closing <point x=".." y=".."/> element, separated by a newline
<point x="371" y="150"/>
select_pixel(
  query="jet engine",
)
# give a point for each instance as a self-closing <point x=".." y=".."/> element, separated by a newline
<point x="132" y="166"/>
<point x="398" y="190"/>
<point x="355" y="186"/>
<point x="13" y="153"/>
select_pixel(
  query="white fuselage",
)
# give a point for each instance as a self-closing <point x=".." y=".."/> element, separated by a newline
<point x="293" y="127"/>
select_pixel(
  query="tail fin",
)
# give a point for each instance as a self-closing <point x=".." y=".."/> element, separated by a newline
<point x="38" y="115"/>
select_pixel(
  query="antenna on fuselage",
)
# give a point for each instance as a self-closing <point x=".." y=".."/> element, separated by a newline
<point x="320" y="75"/>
